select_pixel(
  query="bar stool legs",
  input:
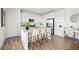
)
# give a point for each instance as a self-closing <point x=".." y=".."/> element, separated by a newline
<point x="38" y="36"/>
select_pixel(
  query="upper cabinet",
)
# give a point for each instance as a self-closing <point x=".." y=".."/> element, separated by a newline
<point x="60" y="15"/>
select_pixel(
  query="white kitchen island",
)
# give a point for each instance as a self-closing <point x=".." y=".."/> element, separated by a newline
<point x="25" y="35"/>
<point x="24" y="38"/>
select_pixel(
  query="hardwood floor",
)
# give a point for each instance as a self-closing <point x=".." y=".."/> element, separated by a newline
<point x="13" y="43"/>
<point x="56" y="43"/>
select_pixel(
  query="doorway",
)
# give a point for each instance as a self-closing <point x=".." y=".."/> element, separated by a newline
<point x="50" y="23"/>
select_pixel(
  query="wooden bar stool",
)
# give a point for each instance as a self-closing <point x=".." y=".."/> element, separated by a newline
<point x="49" y="33"/>
<point x="42" y="35"/>
<point x="43" y="32"/>
<point x="39" y="36"/>
<point x="34" y="35"/>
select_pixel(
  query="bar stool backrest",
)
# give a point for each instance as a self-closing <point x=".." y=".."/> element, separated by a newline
<point x="35" y="32"/>
<point x="43" y="30"/>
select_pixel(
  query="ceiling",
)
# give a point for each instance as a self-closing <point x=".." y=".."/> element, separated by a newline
<point x="40" y="11"/>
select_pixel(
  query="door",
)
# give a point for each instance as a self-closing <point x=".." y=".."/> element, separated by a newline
<point x="50" y="23"/>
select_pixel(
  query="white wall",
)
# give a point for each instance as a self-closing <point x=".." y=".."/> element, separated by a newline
<point x="49" y="15"/>
<point x="46" y="16"/>
<point x="59" y="20"/>
<point x="28" y="15"/>
<point x="13" y="18"/>
<point x="2" y="32"/>
<point x="69" y="12"/>
<point x="62" y="17"/>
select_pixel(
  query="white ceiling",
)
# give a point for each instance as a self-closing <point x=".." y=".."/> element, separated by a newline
<point x="40" y="10"/>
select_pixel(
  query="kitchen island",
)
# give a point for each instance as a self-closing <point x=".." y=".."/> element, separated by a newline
<point x="25" y="35"/>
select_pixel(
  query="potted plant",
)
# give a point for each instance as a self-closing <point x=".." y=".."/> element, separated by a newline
<point x="26" y="24"/>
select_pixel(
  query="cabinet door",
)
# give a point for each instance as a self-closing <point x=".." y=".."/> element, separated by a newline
<point x="59" y="30"/>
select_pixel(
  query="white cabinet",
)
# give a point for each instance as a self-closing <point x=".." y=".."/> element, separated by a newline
<point x="59" y="30"/>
